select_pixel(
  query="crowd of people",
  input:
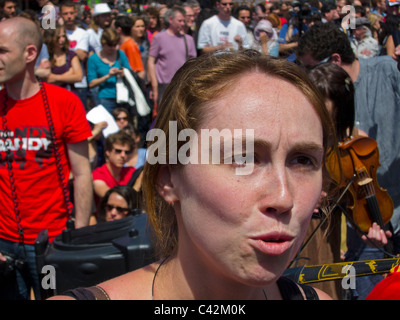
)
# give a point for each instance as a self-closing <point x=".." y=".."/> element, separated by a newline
<point x="203" y="65"/>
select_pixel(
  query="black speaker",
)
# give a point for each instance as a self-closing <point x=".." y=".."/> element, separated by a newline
<point x="86" y="256"/>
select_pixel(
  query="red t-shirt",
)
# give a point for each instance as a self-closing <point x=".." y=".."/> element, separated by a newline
<point x="388" y="288"/>
<point x="102" y="173"/>
<point x="39" y="193"/>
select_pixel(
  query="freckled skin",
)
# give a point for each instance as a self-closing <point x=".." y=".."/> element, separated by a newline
<point x="279" y="195"/>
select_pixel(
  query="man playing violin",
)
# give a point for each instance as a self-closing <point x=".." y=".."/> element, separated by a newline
<point x="377" y="112"/>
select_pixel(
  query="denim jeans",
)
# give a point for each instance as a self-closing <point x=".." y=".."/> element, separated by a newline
<point x="108" y="104"/>
<point x="82" y="93"/>
<point x="18" y="285"/>
<point x="359" y="251"/>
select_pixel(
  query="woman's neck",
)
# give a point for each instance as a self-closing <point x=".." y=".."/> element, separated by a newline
<point x="108" y="56"/>
<point x="58" y="52"/>
<point x="187" y="279"/>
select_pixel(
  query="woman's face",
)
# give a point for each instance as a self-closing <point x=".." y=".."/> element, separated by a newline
<point x="377" y="24"/>
<point x="116" y="207"/>
<point x="138" y="29"/>
<point x="122" y="120"/>
<point x="110" y="48"/>
<point x="249" y="227"/>
<point x="61" y="37"/>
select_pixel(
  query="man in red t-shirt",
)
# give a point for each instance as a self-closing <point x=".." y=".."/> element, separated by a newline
<point x="43" y="137"/>
<point x="118" y="149"/>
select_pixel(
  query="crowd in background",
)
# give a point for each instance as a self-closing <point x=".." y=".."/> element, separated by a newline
<point x="369" y="25"/>
<point x="92" y="43"/>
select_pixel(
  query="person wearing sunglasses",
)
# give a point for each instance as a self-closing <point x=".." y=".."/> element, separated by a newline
<point x="222" y="31"/>
<point x="118" y="150"/>
<point x="121" y="116"/>
<point x="119" y="202"/>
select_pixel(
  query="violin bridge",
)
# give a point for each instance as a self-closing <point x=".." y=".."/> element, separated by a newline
<point x="364" y="181"/>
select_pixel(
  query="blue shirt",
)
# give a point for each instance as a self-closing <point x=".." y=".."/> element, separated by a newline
<point x="97" y="69"/>
<point x="377" y="106"/>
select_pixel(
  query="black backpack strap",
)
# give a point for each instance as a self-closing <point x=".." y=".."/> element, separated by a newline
<point x="290" y="290"/>
<point x="134" y="176"/>
<point x="310" y="292"/>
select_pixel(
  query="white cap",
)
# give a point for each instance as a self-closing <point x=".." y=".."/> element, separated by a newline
<point x="101" y="8"/>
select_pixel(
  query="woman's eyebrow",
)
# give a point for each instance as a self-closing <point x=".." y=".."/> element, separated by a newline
<point x="309" y="147"/>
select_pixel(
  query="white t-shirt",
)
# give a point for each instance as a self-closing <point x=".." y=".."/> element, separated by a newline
<point x="215" y="31"/>
<point x="94" y="39"/>
<point x="79" y="39"/>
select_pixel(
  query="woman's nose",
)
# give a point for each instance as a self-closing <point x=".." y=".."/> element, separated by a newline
<point x="277" y="193"/>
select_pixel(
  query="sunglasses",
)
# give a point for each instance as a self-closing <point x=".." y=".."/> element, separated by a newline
<point x="121" y="210"/>
<point x="119" y="151"/>
<point x="122" y="118"/>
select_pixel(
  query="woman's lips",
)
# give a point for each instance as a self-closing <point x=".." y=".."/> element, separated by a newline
<point x="273" y="244"/>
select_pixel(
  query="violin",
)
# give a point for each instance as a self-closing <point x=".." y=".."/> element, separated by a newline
<point x="359" y="161"/>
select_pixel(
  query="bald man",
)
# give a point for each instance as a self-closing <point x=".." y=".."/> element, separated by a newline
<point x="35" y="164"/>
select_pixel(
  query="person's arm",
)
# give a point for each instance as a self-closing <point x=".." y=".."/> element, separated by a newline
<point x="222" y="46"/>
<point x="83" y="186"/>
<point x="396" y="54"/>
<point x="113" y="71"/>
<point x="82" y="46"/>
<point x="100" y="188"/>
<point x="141" y="74"/>
<point x="43" y="70"/>
<point x="204" y="41"/>
<point x="284" y="47"/>
<point x="151" y="70"/>
<point x="74" y="74"/>
<point x="390" y="47"/>
<point x="82" y="55"/>
<point x="264" y="43"/>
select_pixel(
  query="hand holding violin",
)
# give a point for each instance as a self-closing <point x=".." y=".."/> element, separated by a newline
<point x="377" y="235"/>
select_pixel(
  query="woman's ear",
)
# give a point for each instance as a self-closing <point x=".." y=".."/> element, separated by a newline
<point x="164" y="185"/>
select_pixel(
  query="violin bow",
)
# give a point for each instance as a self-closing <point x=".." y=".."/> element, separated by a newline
<point x="323" y="221"/>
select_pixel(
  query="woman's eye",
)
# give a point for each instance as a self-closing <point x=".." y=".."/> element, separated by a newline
<point x="306" y="161"/>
